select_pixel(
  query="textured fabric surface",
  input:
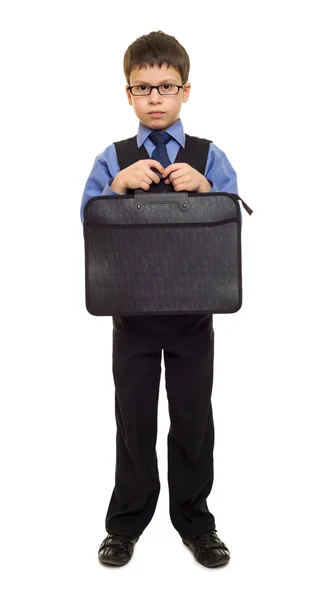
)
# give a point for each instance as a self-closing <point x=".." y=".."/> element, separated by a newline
<point x="163" y="254"/>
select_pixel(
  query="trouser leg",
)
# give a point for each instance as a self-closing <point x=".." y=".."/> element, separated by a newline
<point x="189" y="379"/>
<point x="136" y="371"/>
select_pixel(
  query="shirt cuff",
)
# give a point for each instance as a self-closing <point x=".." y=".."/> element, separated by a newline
<point x="107" y="191"/>
<point x="213" y="186"/>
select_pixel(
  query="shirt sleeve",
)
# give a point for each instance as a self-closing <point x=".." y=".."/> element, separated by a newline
<point x="220" y="171"/>
<point x="104" y="170"/>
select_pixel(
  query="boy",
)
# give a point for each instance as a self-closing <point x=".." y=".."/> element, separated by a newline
<point x="156" y="68"/>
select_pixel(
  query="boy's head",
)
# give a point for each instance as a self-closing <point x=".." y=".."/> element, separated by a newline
<point x="157" y="59"/>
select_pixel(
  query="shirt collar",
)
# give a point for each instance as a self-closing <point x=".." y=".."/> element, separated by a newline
<point x="175" y="130"/>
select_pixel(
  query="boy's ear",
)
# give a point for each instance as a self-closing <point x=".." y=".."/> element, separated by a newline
<point x="186" y="92"/>
<point x="128" y="95"/>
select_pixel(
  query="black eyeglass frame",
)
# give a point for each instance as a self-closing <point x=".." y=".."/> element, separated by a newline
<point x="130" y="87"/>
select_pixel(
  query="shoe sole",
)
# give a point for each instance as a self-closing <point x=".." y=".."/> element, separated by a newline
<point x="220" y="563"/>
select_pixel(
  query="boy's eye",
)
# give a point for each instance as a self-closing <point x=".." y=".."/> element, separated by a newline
<point x="146" y="88"/>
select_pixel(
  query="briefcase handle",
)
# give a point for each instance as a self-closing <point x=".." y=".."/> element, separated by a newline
<point x="182" y="201"/>
<point x="142" y="198"/>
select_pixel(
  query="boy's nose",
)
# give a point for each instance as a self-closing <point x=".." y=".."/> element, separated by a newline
<point x="154" y="94"/>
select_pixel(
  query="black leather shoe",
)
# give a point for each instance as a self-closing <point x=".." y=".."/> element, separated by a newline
<point x="116" y="549"/>
<point x="208" y="549"/>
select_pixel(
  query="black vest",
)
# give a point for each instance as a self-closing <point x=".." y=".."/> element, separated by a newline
<point x="195" y="153"/>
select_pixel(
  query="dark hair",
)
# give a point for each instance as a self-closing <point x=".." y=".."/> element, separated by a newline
<point x="156" y="48"/>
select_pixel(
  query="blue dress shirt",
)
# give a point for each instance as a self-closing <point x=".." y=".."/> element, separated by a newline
<point x="105" y="168"/>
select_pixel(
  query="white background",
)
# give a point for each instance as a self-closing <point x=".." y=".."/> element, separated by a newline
<point x="253" y="93"/>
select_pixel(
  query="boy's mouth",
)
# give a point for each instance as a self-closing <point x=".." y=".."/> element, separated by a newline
<point x="156" y="113"/>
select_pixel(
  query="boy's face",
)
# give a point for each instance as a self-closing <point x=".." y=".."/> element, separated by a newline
<point x="168" y="106"/>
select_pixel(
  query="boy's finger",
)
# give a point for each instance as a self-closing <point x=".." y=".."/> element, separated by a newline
<point x="155" y="163"/>
<point x="169" y="169"/>
<point x="156" y="172"/>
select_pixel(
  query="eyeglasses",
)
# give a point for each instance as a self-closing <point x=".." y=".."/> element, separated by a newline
<point x="166" y="89"/>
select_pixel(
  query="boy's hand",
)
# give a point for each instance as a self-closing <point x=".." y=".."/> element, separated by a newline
<point x="137" y="175"/>
<point x="184" y="177"/>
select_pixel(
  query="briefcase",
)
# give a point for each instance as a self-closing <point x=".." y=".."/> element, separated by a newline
<point x="163" y="253"/>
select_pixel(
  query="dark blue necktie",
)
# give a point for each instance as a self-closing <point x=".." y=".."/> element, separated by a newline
<point x="160" y="153"/>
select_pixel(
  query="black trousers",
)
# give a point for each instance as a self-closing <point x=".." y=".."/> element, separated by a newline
<point x="188" y="345"/>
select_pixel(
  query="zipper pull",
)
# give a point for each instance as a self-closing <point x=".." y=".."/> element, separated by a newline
<point x="247" y="208"/>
